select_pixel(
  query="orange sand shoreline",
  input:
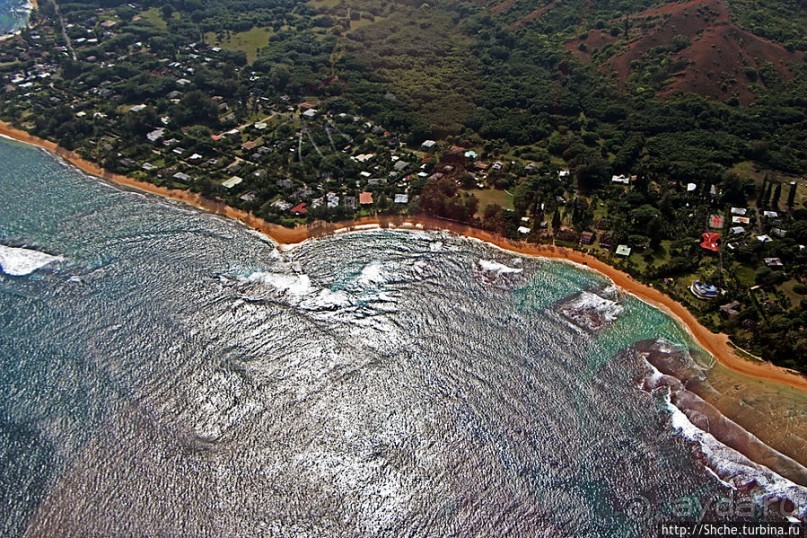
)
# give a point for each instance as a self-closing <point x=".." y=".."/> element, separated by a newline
<point x="718" y="345"/>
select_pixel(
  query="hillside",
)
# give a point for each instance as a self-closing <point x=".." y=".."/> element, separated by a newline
<point x="690" y="47"/>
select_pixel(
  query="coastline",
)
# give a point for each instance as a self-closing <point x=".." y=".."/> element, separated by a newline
<point x="33" y="5"/>
<point x="718" y="345"/>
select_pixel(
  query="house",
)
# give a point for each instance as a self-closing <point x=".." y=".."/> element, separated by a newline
<point x="428" y="145"/>
<point x="586" y="238"/>
<point x="365" y="198"/>
<point x="565" y="234"/>
<point x="247" y="146"/>
<point x="179" y="151"/>
<point x="497" y="166"/>
<point x="715" y="222"/>
<point x="331" y="200"/>
<point x="711" y="241"/>
<point x="770" y="214"/>
<point x="692" y="187"/>
<point x="703" y="291"/>
<point x="299" y="209"/>
<point x="401" y="198"/>
<point x="282" y="205"/>
<point x="564" y="174"/>
<point x="232" y="182"/>
<point x="741" y="211"/>
<point x="310" y="114"/>
<point x="607" y="241"/>
<point x="774" y="263"/>
<point x="740" y="220"/>
<point x="155" y="135"/>
<point x="778" y="232"/>
<point x="138" y="108"/>
<point x="523" y="230"/>
<point x="400" y="166"/>
<point x="737" y="230"/>
<point x="621" y="179"/>
<point x="622" y="250"/>
<point x="377" y="181"/>
<point x="148" y="167"/>
<point x="730" y="309"/>
<point x="349" y="202"/>
<point x="182" y="178"/>
<point x="364" y="157"/>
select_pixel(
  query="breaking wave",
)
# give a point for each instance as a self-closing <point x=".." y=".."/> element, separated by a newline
<point x="737" y="457"/>
<point x="22" y="261"/>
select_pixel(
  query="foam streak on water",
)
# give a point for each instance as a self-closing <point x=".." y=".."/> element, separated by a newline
<point x="180" y="376"/>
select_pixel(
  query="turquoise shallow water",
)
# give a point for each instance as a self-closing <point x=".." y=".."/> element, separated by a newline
<point x="13" y="15"/>
<point x="173" y="373"/>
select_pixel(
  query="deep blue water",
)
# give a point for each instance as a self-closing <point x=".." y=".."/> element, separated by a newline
<point x="176" y="374"/>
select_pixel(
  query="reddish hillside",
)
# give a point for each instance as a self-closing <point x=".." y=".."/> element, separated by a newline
<point x="534" y="14"/>
<point x="716" y="52"/>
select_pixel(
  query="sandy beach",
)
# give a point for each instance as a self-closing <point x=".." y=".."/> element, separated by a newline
<point x="718" y="345"/>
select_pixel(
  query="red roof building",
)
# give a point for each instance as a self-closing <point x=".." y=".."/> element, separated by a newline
<point x="365" y="198"/>
<point x="711" y="241"/>
<point x="299" y="209"/>
<point x="715" y="222"/>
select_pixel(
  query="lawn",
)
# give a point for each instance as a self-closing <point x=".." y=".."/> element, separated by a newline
<point x="250" y="42"/>
<point x="154" y="17"/>
<point x="787" y="289"/>
<point x="492" y="196"/>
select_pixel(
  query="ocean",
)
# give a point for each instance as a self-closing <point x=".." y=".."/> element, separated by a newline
<point x="13" y="15"/>
<point x="169" y="372"/>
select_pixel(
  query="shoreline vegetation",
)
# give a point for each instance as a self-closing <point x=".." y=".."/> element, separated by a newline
<point x="718" y="345"/>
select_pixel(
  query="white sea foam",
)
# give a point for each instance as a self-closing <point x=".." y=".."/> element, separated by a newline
<point x="372" y="274"/>
<point x="591" y="311"/>
<point x="293" y="285"/>
<point x="23" y="261"/>
<point x="328" y="299"/>
<point x="609" y="309"/>
<point x="727" y="464"/>
<point x="496" y="267"/>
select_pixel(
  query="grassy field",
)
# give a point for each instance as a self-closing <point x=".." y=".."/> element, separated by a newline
<point x="250" y="42"/>
<point x="154" y="17"/>
<point x="787" y="289"/>
<point x="492" y="196"/>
